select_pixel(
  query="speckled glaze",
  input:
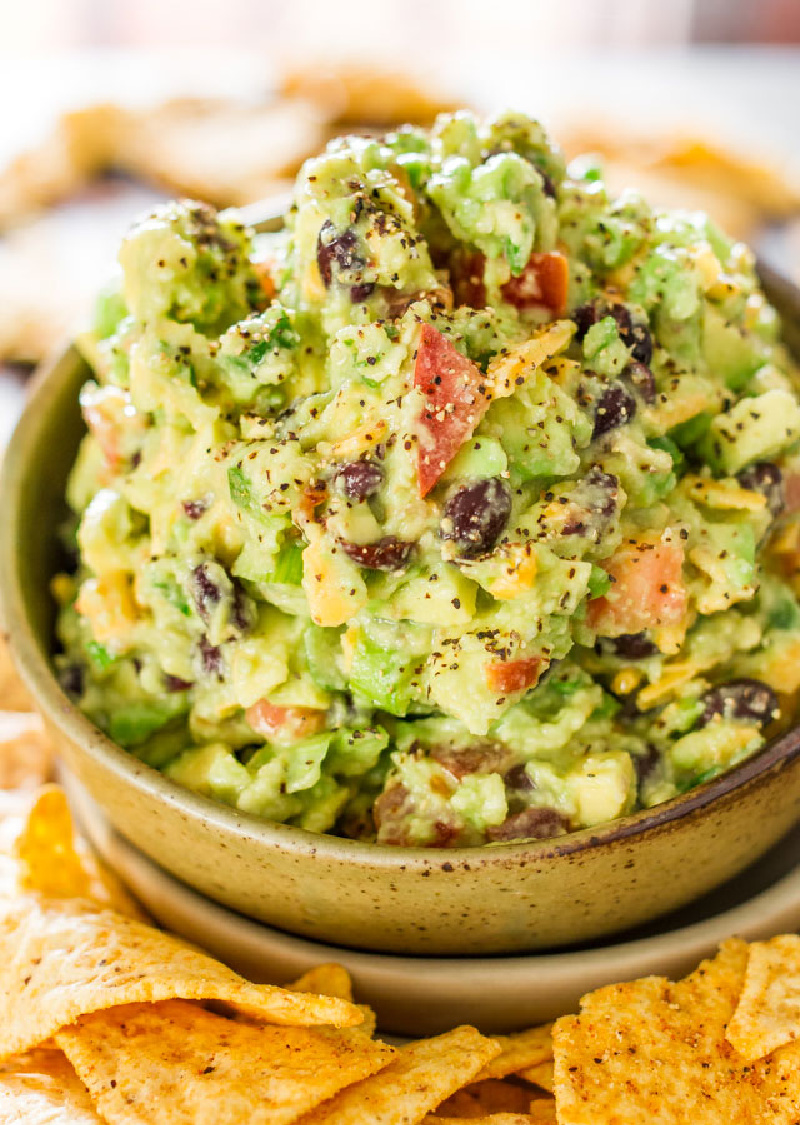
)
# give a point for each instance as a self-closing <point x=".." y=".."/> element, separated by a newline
<point x="501" y="899"/>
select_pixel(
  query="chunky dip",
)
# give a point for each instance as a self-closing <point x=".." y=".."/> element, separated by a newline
<point x="463" y="511"/>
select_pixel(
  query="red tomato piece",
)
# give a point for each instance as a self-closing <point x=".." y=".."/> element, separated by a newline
<point x="456" y="396"/>
<point x="647" y="589"/>
<point x="543" y="284"/>
<point x="284" y="724"/>
<point x="509" y="676"/>
<point x="265" y="274"/>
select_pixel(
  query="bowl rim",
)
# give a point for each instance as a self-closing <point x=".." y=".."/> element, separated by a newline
<point x="37" y="674"/>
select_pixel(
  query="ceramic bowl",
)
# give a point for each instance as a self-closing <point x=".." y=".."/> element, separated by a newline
<point x="427" y="995"/>
<point x="502" y="899"/>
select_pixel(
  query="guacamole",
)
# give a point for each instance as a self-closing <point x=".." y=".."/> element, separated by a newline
<point x="463" y="511"/>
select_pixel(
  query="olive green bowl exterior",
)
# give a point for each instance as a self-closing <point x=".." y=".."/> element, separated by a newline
<point x="500" y="899"/>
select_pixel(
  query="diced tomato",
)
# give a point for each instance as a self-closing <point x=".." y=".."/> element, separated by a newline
<point x="543" y="284"/>
<point x="456" y="399"/>
<point x="647" y="589"/>
<point x="284" y="724"/>
<point x="509" y="676"/>
<point x="264" y="271"/>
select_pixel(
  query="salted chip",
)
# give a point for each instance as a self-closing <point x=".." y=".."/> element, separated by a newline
<point x="334" y="980"/>
<point x="491" y="1119"/>
<point x="26" y="753"/>
<point x="419" y="1078"/>
<point x="540" y="1075"/>
<point x="53" y="862"/>
<point x="170" y="1063"/>
<point x="222" y="151"/>
<point x="543" y="1110"/>
<point x="768" y="1013"/>
<point x="491" y="1096"/>
<point x="62" y="958"/>
<point x="46" y="849"/>
<point x="41" y="1088"/>
<point x="325" y="980"/>
<point x="525" y="1049"/>
<point x="363" y="95"/>
<point x="82" y="143"/>
<point x="651" y="1050"/>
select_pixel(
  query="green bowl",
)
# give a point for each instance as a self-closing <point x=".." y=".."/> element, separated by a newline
<point x="501" y="899"/>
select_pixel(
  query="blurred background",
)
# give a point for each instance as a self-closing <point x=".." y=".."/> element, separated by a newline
<point x="111" y="106"/>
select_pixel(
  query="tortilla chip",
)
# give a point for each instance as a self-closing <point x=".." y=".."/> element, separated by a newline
<point x="54" y="863"/>
<point x="325" y="980"/>
<point x="768" y="1013"/>
<point x="224" y="152"/>
<point x="540" y="1075"/>
<point x="652" y="1050"/>
<point x="419" y="1077"/>
<point x="543" y="1110"/>
<point x="13" y="695"/>
<point x="490" y="1096"/>
<point x="169" y="1063"/>
<point x="26" y="753"/>
<point x="526" y="1048"/>
<point x="490" y="1119"/>
<point x="363" y="95"/>
<point x="63" y="958"/>
<point x="41" y="1088"/>
<point x="370" y="1022"/>
<point x="81" y="144"/>
<point x="46" y="849"/>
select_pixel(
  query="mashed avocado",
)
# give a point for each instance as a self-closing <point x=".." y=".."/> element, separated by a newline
<point x="463" y="511"/>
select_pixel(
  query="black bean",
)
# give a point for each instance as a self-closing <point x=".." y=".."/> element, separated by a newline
<point x="633" y="333"/>
<point x="585" y="316"/>
<point x="175" y="683"/>
<point x="642" y="379"/>
<point x="535" y="823"/>
<point x="211" y="656"/>
<point x="389" y="553"/>
<point x="646" y="764"/>
<point x="242" y="611"/>
<point x="475" y="515"/>
<point x="616" y="406"/>
<point x="194" y="509"/>
<point x="633" y="646"/>
<point x="205" y="590"/>
<point x="338" y="248"/>
<point x="548" y="187"/>
<point x="359" y="479"/>
<point x="359" y="293"/>
<point x="71" y="679"/>
<point x="517" y="779"/>
<point x="740" y="699"/>
<point x="766" y="478"/>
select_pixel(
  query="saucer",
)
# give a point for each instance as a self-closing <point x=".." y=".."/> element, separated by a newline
<point x="427" y="995"/>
